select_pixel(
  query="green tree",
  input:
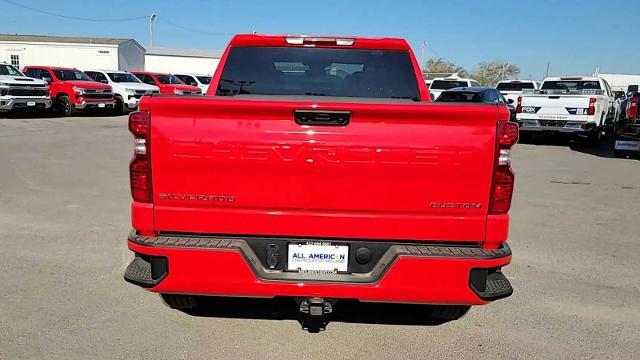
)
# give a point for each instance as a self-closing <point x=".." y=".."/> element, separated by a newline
<point x="442" y="66"/>
<point x="490" y="72"/>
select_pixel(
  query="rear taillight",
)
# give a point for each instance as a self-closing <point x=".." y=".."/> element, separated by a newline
<point x="519" y="105"/>
<point x="503" y="178"/>
<point x="632" y="108"/>
<point x="140" y="166"/>
<point x="592" y="106"/>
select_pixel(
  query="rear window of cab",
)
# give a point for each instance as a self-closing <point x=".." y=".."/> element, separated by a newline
<point x="319" y="72"/>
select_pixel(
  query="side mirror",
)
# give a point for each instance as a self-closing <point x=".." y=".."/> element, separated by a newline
<point x="104" y="81"/>
<point x="48" y="79"/>
<point x="510" y="101"/>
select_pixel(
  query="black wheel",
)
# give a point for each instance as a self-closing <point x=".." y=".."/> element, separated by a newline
<point x="594" y="138"/>
<point x="65" y="107"/>
<point x="118" y="108"/>
<point x="448" y="312"/>
<point x="525" y="137"/>
<point x="180" y="302"/>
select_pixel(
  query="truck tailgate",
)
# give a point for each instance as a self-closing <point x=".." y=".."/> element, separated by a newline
<point x="410" y="171"/>
<point x="561" y="105"/>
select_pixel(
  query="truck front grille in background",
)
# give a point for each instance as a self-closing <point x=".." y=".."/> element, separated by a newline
<point x="27" y="91"/>
<point x="141" y="93"/>
<point x="553" y="123"/>
<point x="96" y="94"/>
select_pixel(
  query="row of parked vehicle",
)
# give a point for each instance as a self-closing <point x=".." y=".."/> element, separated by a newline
<point x="585" y="107"/>
<point x="67" y="90"/>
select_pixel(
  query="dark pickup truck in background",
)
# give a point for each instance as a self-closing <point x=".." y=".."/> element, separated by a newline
<point x="318" y="169"/>
<point x="627" y="129"/>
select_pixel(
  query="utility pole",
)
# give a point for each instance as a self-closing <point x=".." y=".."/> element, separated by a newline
<point x="546" y="74"/>
<point x="422" y="47"/>
<point x="152" y="19"/>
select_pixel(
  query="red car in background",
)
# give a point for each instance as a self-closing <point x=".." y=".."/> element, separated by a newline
<point x="72" y="90"/>
<point x="168" y="84"/>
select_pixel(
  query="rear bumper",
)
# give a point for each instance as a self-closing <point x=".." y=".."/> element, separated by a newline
<point x="562" y="126"/>
<point x="229" y="266"/>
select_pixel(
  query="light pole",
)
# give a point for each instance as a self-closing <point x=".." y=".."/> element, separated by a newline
<point x="152" y="19"/>
<point x="546" y="74"/>
<point x="424" y="45"/>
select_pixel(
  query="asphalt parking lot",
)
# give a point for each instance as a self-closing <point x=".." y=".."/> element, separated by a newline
<point x="64" y="218"/>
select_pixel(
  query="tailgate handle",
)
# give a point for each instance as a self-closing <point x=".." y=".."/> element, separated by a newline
<point x="554" y="97"/>
<point x="319" y="117"/>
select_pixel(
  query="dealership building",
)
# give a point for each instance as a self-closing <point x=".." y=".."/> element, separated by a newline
<point x="103" y="53"/>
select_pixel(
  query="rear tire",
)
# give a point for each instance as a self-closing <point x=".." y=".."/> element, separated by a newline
<point x="65" y="107"/>
<point x="119" y="107"/>
<point x="525" y="137"/>
<point x="448" y="312"/>
<point x="594" y="139"/>
<point x="180" y="302"/>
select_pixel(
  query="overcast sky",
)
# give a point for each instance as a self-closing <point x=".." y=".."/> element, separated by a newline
<point x="575" y="36"/>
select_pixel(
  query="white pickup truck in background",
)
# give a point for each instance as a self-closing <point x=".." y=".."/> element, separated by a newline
<point x="438" y="85"/>
<point x="128" y="89"/>
<point x="18" y="92"/>
<point x="512" y="89"/>
<point x="583" y="106"/>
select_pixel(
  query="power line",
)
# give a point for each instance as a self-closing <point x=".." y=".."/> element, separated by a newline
<point x="72" y="17"/>
<point x="170" y="23"/>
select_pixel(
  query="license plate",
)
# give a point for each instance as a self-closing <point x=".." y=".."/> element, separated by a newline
<point x="31" y="103"/>
<point x="628" y="145"/>
<point x="317" y="257"/>
<point x="101" y="105"/>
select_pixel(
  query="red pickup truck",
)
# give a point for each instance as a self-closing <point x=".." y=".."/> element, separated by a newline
<point x="167" y="83"/>
<point x="72" y="90"/>
<point x="318" y="169"/>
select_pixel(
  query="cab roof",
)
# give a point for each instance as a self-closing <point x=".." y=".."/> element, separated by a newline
<point x="149" y="73"/>
<point x="516" y="81"/>
<point x="352" y="42"/>
<point x="51" y="67"/>
<point x="573" y="78"/>
<point x="107" y="71"/>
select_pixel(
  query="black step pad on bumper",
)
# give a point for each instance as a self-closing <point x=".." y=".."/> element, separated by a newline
<point x="146" y="271"/>
<point x="490" y="284"/>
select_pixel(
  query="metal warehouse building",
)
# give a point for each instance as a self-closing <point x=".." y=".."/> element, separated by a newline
<point x="182" y="60"/>
<point x="621" y="81"/>
<point x="103" y="53"/>
<point x="79" y="52"/>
